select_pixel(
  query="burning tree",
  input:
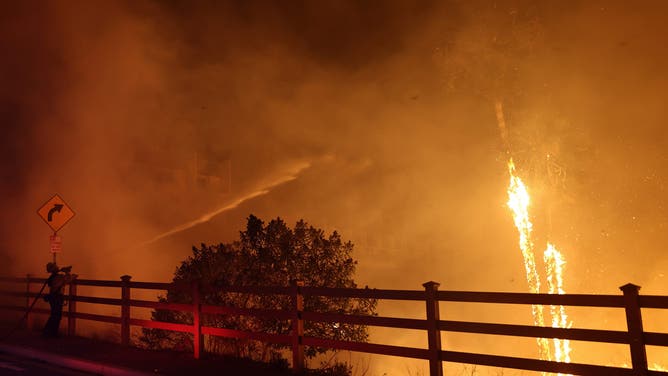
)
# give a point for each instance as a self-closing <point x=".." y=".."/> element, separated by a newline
<point x="265" y="255"/>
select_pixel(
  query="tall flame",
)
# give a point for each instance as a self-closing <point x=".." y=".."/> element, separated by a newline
<point x="554" y="263"/>
<point x="518" y="202"/>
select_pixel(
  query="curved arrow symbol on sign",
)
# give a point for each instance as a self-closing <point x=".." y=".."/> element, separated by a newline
<point x="55" y="208"/>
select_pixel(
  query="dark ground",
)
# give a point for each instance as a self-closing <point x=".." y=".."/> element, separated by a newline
<point x="156" y="362"/>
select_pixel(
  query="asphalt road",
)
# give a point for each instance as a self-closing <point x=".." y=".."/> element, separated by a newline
<point x="11" y="365"/>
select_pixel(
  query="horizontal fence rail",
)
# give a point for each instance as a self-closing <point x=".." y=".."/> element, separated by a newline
<point x="634" y="337"/>
<point x="582" y="300"/>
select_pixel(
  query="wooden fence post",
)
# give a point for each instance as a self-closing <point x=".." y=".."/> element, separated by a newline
<point x="28" y="323"/>
<point x="198" y="341"/>
<point x="635" y="329"/>
<point x="297" y="327"/>
<point x="433" y="331"/>
<point x="125" y="310"/>
<point x="72" y="309"/>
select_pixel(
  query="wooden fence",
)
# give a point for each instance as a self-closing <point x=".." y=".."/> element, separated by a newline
<point x="630" y="300"/>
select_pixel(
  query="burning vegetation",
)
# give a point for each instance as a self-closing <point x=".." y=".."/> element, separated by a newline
<point x="166" y="123"/>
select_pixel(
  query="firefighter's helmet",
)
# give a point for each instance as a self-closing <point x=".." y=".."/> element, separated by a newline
<point x="52" y="267"/>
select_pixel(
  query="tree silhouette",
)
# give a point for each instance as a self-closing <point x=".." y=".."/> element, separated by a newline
<point x="265" y="255"/>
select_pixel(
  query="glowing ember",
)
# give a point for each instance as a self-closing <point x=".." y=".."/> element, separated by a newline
<point x="658" y="367"/>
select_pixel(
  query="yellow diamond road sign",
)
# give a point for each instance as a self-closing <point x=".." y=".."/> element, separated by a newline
<point x="55" y="213"/>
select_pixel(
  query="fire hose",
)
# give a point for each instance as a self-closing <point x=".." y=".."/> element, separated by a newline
<point x="25" y="315"/>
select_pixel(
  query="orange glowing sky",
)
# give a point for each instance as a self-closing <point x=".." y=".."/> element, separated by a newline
<point x="110" y="105"/>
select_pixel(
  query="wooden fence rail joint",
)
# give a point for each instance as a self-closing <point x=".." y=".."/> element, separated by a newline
<point x="297" y="326"/>
<point x="635" y="329"/>
<point x="125" y="310"/>
<point x="433" y="328"/>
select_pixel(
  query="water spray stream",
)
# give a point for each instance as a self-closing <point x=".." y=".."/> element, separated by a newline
<point x="207" y="217"/>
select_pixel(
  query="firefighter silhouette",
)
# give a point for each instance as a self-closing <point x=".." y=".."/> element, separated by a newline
<point x="57" y="280"/>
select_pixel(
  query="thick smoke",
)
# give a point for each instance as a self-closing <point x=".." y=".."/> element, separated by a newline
<point x="117" y="106"/>
<point x="146" y="115"/>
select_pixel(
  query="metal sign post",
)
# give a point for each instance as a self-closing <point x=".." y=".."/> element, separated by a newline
<point x="56" y="243"/>
<point x="56" y="213"/>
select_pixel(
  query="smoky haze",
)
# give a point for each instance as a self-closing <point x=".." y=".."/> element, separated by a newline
<point x="375" y="119"/>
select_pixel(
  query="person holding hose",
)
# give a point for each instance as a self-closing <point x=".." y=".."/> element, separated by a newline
<point x="57" y="280"/>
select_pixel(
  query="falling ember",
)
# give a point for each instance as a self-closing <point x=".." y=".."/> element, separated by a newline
<point x="554" y="263"/>
<point x="518" y="202"/>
